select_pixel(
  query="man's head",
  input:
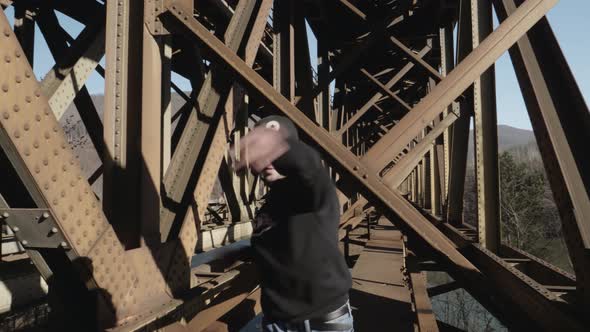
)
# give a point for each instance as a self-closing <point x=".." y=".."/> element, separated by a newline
<point x="283" y="125"/>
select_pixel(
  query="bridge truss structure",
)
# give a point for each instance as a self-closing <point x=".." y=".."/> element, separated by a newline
<point x="389" y="106"/>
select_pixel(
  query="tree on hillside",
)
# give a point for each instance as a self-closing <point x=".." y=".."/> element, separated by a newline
<point x="522" y="192"/>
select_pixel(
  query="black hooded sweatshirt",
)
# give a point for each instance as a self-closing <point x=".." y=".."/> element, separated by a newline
<point x="295" y="240"/>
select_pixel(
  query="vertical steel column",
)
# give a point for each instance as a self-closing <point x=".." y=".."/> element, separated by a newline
<point x="124" y="35"/>
<point x="427" y="161"/>
<point x="155" y="114"/>
<point x="446" y="65"/>
<point x="460" y="129"/>
<point x="324" y="110"/>
<point x="284" y="48"/>
<point x="434" y="182"/>
<point x="486" y="136"/>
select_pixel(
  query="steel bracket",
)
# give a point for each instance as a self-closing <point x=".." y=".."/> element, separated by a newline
<point x="34" y="228"/>
<point x="152" y="10"/>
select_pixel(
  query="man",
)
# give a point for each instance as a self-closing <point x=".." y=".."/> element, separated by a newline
<point x="304" y="278"/>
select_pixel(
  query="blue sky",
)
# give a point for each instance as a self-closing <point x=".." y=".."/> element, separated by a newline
<point x="568" y="19"/>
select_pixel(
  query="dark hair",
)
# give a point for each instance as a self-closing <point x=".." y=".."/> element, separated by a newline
<point x="285" y="125"/>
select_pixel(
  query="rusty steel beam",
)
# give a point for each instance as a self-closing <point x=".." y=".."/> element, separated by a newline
<point x="377" y="96"/>
<point x="385" y="90"/>
<point x="460" y="129"/>
<point x="457" y="81"/>
<point x="416" y="58"/>
<point x="396" y="175"/>
<point x="352" y="8"/>
<point x="485" y="130"/>
<point x="560" y="120"/>
<point x="62" y="83"/>
<point x="325" y="141"/>
<point x="195" y="140"/>
<point x="121" y="119"/>
<point x="36" y="140"/>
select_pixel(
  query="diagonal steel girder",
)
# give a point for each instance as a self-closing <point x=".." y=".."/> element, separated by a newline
<point x="483" y="57"/>
<point x="457" y="81"/>
<point x="337" y="151"/>
<point x="373" y="100"/>
<point x="191" y="150"/>
<point x="402" y="169"/>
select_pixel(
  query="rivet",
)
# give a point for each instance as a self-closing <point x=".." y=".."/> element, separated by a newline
<point x="6" y="32"/>
<point x="26" y="126"/>
<point x="17" y="53"/>
<point x="27" y="74"/>
<point x="15" y="108"/>
<point x="25" y="242"/>
<point x="7" y="58"/>
<point x="28" y="99"/>
<point x="37" y="93"/>
<point x="6" y="115"/>
<point x="356" y="168"/>
<point x="18" y="79"/>
<point x="45" y="162"/>
<point x="5" y="87"/>
<point x="53" y="230"/>
<point x="38" y="117"/>
<point x="365" y="176"/>
<point x="27" y="152"/>
<point x="5" y="215"/>
<point x="46" y="186"/>
<point x="47" y="136"/>
<point x="15" y="229"/>
<point x="55" y="129"/>
<point x="63" y="194"/>
<point x="16" y="134"/>
<point x="63" y="244"/>
<point x="54" y="178"/>
<point x="36" y="145"/>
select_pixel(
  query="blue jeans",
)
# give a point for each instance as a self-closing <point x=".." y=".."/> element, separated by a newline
<point x="345" y="321"/>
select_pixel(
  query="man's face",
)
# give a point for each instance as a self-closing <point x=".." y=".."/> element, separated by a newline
<point x="269" y="174"/>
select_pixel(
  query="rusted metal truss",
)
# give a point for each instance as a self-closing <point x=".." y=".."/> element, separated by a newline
<point x="393" y="131"/>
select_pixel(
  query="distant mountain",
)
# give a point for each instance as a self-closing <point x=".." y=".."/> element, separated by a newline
<point x="509" y="139"/>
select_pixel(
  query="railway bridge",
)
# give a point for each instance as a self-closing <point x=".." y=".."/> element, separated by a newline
<point x="121" y="213"/>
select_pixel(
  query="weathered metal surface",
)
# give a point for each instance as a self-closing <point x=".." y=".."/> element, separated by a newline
<point x="353" y="166"/>
<point x="486" y="136"/>
<point x="558" y="113"/>
<point x="365" y="135"/>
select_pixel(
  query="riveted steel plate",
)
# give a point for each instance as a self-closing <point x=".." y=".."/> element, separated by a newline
<point x="149" y="287"/>
<point x="61" y="86"/>
<point x="37" y="138"/>
<point x="34" y="228"/>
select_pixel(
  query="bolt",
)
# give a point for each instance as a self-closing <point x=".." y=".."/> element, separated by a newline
<point x="25" y="242"/>
<point x="63" y="244"/>
<point x="45" y="215"/>
<point x="15" y="229"/>
<point x="53" y="230"/>
<point x="5" y="215"/>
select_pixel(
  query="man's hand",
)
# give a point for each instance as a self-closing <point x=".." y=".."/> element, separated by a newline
<point x="259" y="148"/>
